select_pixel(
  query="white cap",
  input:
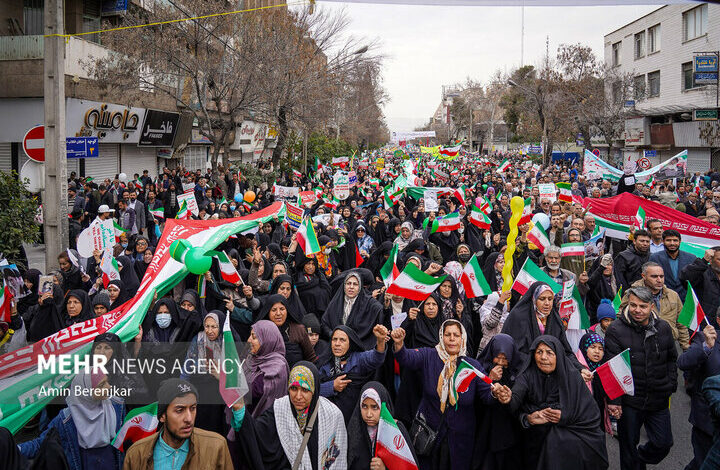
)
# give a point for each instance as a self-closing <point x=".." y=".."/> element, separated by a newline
<point x="104" y="209"/>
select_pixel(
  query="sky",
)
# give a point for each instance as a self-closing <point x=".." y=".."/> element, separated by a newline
<point x="431" y="46"/>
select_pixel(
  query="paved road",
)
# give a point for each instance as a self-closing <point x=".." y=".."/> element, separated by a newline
<point x="681" y="453"/>
<point x="36" y="256"/>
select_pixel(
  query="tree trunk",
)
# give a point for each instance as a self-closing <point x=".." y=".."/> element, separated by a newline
<point x="282" y="135"/>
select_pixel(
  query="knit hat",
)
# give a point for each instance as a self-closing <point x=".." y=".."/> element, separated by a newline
<point x="680" y="207"/>
<point x="312" y="325"/>
<point x="605" y="310"/>
<point x="101" y="298"/>
<point x="170" y="389"/>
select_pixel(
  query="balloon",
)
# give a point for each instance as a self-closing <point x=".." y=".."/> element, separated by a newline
<point x="517" y="205"/>
<point x="484" y="187"/>
<point x="542" y="219"/>
<point x="122" y="177"/>
<point x="249" y="196"/>
<point x="238" y="198"/>
<point x="197" y="262"/>
<point x="479" y="201"/>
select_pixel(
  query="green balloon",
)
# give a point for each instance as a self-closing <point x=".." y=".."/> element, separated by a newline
<point x="484" y="187"/>
<point x="197" y="262"/>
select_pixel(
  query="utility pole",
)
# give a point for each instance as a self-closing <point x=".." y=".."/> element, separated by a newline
<point x="55" y="197"/>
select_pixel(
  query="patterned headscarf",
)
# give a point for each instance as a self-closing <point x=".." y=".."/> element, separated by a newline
<point x="301" y="376"/>
<point x="585" y="342"/>
<point x="446" y="380"/>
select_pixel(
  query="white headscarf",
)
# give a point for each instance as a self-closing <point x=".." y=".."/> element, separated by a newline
<point x="446" y="380"/>
<point x="94" y="420"/>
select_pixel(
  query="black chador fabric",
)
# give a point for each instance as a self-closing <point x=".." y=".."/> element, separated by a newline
<point x="50" y="318"/>
<point x="521" y="324"/>
<point x="576" y="442"/>
<point x="313" y="290"/>
<point x="295" y="306"/>
<point x="489" y="271"/>
<point x="190" y="320"/>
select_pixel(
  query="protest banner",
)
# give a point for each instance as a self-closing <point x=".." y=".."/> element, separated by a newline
<point x="191" y="202"/>
<point x="547" y="191"/>
<point x="100" y="235"/>
<point x="293" y="215"/>
<point x="286" y="193"/>
<point x="307" y="198"/>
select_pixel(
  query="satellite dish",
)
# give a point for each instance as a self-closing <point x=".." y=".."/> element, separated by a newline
<point x="35" y="173"/>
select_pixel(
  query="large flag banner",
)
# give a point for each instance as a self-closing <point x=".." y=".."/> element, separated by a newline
<point x="594" y="168"/>
<point x="139" y="423"/>
<point x="24" y="391"/>
<point x="391" y="446"/>
<point x="616" y="376"/>
<point x="617" y="214"/>
<point x="414" y="284"/>
<point x="473" y="280"/>
<point x="531" y="273"/>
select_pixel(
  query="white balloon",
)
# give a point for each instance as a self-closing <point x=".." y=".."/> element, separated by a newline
<point x="122" y="177"/>
<point x="542" y="219"/>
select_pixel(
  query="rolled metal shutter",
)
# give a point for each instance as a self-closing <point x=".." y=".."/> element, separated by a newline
<point x="105" y="165"/>
<point x="136" y="159"/>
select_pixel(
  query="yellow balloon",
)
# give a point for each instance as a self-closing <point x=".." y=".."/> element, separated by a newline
<point x="517" y="205"/>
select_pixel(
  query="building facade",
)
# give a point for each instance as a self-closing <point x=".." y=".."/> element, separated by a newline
<point x="667" y="109"/>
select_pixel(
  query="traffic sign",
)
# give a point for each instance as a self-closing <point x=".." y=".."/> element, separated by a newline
<point x="34" y="143"/>
<point x="82" y="147"/>
<point x="596" y="152"/>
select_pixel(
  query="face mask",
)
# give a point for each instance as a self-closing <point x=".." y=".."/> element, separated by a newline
<point x="124" y="245"/>
<point x="327" y="251"/>
<point x="464" y="257"/>
<point x="232" y="208"/>
<point x="163" y="320"/>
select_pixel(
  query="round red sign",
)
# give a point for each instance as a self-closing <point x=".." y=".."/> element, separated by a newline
<point x="34" y="144"/>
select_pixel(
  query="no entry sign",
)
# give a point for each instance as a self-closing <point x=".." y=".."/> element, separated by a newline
<point x="34" y="144"/>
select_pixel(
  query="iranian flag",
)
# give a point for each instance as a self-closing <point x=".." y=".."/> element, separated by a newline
<point x="639" y="221"/>
<point x="479" y="219"/>
<point x="375" y="182"/>
<point x="318" y="165"/>
<point x="565" y="192"/>
<point x="139" y="423"/>
<point x="539" y="237"/>
<point x="692" y="314"/>
<point x="391" y="446"/>
<point x="227" y="269"/>
<point x="579" y="319"/>
<point x="486" y="207"/>
<point x="527" y="214"/>
<point x="118" y="231"/>
<point x="459" y="193"/>
<point x="572" y="249"/>
<point x="306" y="237"/>
<point x="5" y="304"/>
<point x="109" y="267"/>
<point x="318" y="192"/>
<point x="616" y="376"/>
<point x="531" y="273"/>
<point x="389" y="270"/>
<point x="464" y="375"/>
<point x="448" y="223"/>
<point x="297" y="174"/>
<point x="414" y="284"/>
<point x="183" y="212"/>
<point x="232" y="380"/>
<point x="473" y="280"/>
<point x="504" y="166"/>
<point x="450" y="151"/>
<point x="160" y="211"/>
<point x="617" y="301"/>
<point x="340" y="161"/>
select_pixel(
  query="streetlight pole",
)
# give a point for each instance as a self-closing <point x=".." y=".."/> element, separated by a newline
<point x="512" y="83"/>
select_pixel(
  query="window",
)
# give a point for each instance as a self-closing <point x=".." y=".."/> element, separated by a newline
<point x="617" y="95"/>
<point x="640" y="45"/>
<point x="33" y="11"/>
<point x="639" y="87"/>
<point x="688" y="76"/>
<point x="653" y="81"/>
<point x="616" y="54"/>
<point x="653" y="39"/>
<point x="695" y="22"/>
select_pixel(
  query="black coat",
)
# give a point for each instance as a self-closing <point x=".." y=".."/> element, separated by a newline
<point x="628" y="267"/>
<point x="706" y="285"/>
<point x="652" y="360"/>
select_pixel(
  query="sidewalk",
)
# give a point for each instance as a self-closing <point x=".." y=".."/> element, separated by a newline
<point x="36" y="256"/>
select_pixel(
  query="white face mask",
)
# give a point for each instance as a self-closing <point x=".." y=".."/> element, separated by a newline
<point x="327" y="251"/>
<point x="163" y="320"/>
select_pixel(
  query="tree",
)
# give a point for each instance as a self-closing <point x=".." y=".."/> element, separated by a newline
<point x="17" y="216"/>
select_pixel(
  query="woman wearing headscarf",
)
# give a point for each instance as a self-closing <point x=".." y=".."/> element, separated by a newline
<point x="268" y="368"/>
<point x="592" y="348"/>
<point x="451" y="415"/>
<point x="453" y="306"/>
<point x="498" y="441"/>
<point x="10" y="454"/>
<point x="363" y="427"/>
<point x="207" y="348"/>
<point x="493" y="270"/>
<point x="601" y="285"/>
<point x="493" y="313"/>
<point x="311" y="284"/>
<point x="283" y="285"/>
<point x="32" y="281"/>
<point x="297" y="342"/>
<point x="350" y="366"/>
<point x="447" y="242"/>
<point x="161" y="330"/>
<point x="127" y="274"/>
<point x="50" y="319"/>
<point x="72" y="277"/>
<point x="557" y="411"/>
<point x="534" y="315"/>
<point x="142" y="264"/>
<point x="86" y="427"/>
<point x="191" y="312"/>
<point x="117" y="293"/>
<point x="110" y="346"/>
<point x="354" y="307"/>
<point x="273" y="440"/>
<point x="407" y="234"/>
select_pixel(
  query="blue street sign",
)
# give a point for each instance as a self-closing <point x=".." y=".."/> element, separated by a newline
<point x="650" y="153"/>
<point x="706" y="63"/>
<point x="82" y="147"/>
<point x="704" y="78"/>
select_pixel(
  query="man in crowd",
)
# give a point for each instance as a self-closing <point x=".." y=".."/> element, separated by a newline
<point x="703" y="274"/>
<point x="673" y="261"/>
<point x="628" y="264"/>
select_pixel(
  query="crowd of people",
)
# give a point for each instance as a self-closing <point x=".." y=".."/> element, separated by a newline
<point x="330" y="349"/>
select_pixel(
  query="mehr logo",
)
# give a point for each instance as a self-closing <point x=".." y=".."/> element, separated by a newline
<point x="71" y="364"/>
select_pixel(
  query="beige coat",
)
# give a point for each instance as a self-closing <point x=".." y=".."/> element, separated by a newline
<point x="208" y="450"/>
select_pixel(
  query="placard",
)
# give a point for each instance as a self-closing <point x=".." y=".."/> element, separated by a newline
<point x="430" y="200"/>
<point x="547" y="191"/>
<point x="100" y="235"/>
<point x="191" y="202"/>
<point x="307" y="198"/>
<point x="286" y="193"/>
<point x="341" y="185"/>
<point x="293" y="215"/>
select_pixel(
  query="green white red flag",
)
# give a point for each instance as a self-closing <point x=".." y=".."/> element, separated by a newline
<point x="6" y="304"/>
<point x="390" y="271"/>
<point x="564" y="191"/>
<point x="473" y="280"/>
<point x="504" y="166"/>
<point x="639" y="221"/>
<point x="139" y="423"/>
<point x="118" y="231"/>
<point x="109" y="267"/>
<point x="448" y="223"/>
<point x="538" y="237"/>
<point x="692" y="314"/>
<point x="479" y="219"/>
<point x="227" y="269"/>
<point x="616" y="376"/>
<point x="450" y="151"/>
<point x="414" y="284"/>
<point x="391" y="446"/>
<point x="306" y="237"/>
<point x="464" y="375"/>
<point x="527" y="212"/>
<point x="160" y="212"/>
<point x="572" y="249"/>
<point x="531" y="273"/>
<point x="459" y="193"/>
<point x="232" y="380"/>
<point x="183" y="212"/>
<point x="486" y="207"/>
